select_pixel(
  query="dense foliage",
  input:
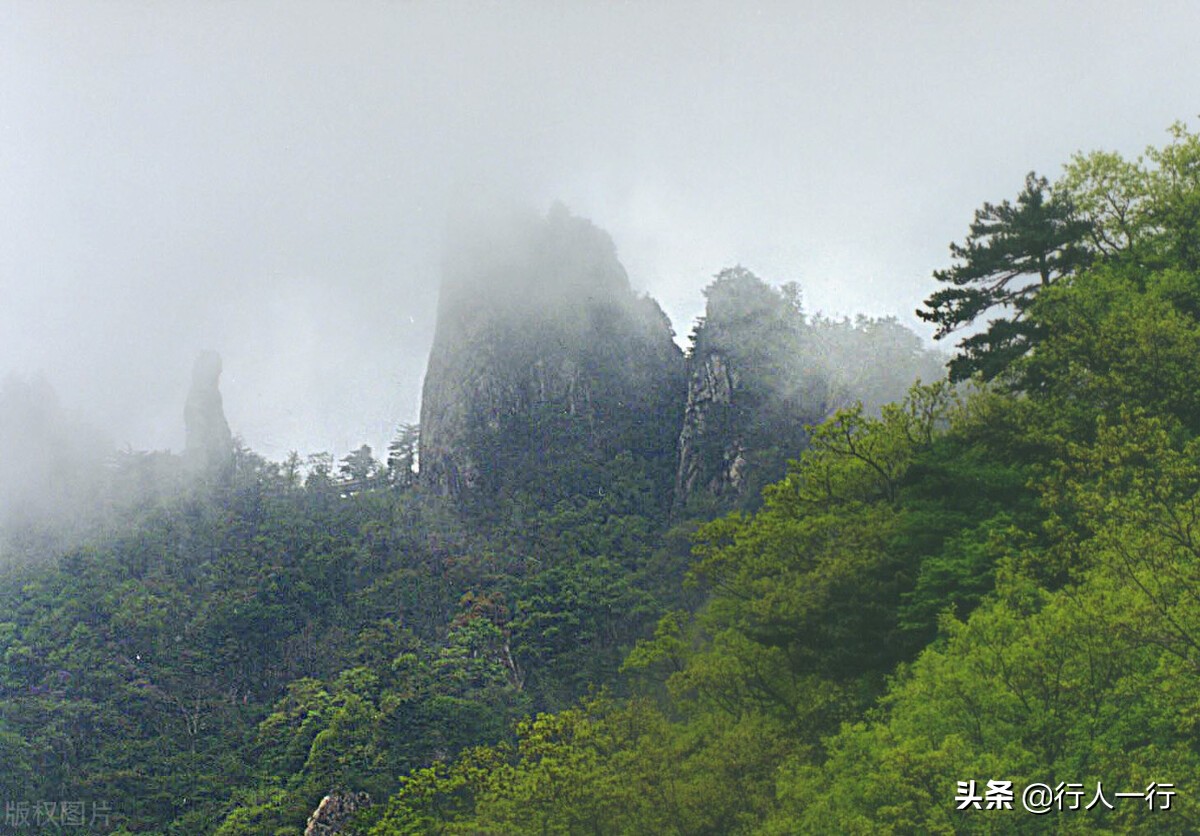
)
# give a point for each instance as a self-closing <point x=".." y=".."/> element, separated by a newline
<point x="228" y="658"/>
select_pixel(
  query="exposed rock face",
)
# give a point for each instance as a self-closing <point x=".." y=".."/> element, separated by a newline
<point x="208" y="449"/>
<point x="706" y="425"/>
<point x="750" y="391"/>
<point x="544" y="359"/>
<point x="546" y="367"/>
<point x="334" y="811"/>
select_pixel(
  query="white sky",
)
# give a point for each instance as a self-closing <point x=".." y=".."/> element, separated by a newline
<point x="271" y="179"/>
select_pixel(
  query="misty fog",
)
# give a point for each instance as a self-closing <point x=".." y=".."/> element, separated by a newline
<point x="273" y="183"/>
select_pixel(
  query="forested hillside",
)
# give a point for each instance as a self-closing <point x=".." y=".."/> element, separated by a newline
<point x="822" y="605"/>
<point x="981" y="591"/>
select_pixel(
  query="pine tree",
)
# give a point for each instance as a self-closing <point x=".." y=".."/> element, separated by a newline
<point x="1011" y="253"/>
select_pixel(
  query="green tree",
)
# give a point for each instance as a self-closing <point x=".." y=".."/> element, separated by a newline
<point x="320" y="471"/>
<point x="1145" y="211"/>
<point x="1011" y="252"/>
<point x="360" y="465"/>
<point x="402" y="456"/>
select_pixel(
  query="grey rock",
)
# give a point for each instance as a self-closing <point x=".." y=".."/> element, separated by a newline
<point x="208" y="447"/>
<point x="334" y="811"/>
<point x="543" y="350"/>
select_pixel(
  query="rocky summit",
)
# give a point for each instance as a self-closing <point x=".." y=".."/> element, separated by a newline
<point x="208" y="448"/>
<point x="545" y="361"/>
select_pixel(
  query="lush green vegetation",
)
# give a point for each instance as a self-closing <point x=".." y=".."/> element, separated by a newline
<point x="989" y="584"/>
<point x="994" y="581"/>
<point x="228" y="658"/>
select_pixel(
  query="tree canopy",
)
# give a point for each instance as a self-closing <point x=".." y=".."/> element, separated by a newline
<point x="1012" y="251"/>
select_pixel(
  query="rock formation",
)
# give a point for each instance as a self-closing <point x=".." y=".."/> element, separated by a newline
<point x="208" y="448"/>
<point x="334" y="812"/>
<point x="750" y="391"/>
<point x="719" y="469"/>
<point x="544" y="361"/>
<point x="546" y="367"/>
<point x="759" y="370"/>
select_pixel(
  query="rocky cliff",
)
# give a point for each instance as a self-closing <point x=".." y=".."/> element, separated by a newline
<point x="759" y="370"/>
<point x="208" y="446"/>
<point x="546" y="368"/>
<point x="710" y="457"/>
<point x="751" y="390"/>
<point x="545" y="364"/>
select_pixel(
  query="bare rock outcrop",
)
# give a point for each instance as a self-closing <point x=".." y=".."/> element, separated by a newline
<point x="544" y="359"/>
<point x="334" y="811"/>
<point x="712" y="449"/>
<point x="208" y="448"/>
<point x="751" y="391"/>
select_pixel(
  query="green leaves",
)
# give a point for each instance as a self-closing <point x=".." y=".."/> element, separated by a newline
<point x="1117" y="338"/>
<point x="601" y="768"/>
<point x="1011" y="253"/>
